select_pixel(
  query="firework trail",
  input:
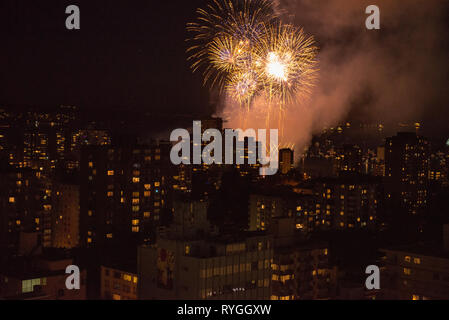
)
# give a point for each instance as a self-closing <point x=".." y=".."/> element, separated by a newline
<point x="243" y="48"/>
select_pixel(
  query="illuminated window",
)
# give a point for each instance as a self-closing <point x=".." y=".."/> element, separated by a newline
<point x="407" y="271"/>
<point x="407" y="258"/>
<point x="136" y="208"/>
<point x="146" y="214"/>
<point x="135" y="279"/>
<point x="89" y="213"/>
<point x="157" y="184"/>
<point x="417" y="261"/>
<point x="127" y="277"/>
<point x="110" y="194"/>
<point x="135" y="222"/>
<point x="147" y="186"/>
<point x="136" y="180"/>
<point x="12" y="199"/>
<point x="110" y="172"/>
<point x="28" y="285"/>
<point x="146" y="194"/>
<point x="187" y="250"/>
<point x="135" y="229"/>
<point x="136" y="201"/>
<point x="91" y="164"/>
<point x="109" y="236"/>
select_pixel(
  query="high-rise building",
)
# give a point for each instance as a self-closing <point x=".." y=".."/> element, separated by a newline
<point x="286" y="160"/>
<point x="24" y="206"/>
<point x="348" y="202"/>
<point x="349" y="158"/>
<point x="406" y="171"/>
<point x="417" y="272"/>
<point x="194" y="262"/>
<point x="125" y="193"/>
<point x="65" y="215"/>
<point x="119" y="282"/>
<point x="300" y="268"/>
<point x="265" y="207"/>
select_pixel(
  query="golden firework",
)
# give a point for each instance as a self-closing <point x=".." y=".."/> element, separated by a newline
<point x="286" y="62"/>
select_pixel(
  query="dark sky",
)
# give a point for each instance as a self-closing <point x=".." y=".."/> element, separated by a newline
<point x="127" y="53"/>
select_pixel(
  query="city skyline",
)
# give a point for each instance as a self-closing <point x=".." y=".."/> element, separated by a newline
<point x="104" y="197"/>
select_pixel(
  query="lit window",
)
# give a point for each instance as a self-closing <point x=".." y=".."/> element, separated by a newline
<point x="127" y="277"/>
<point x="110" y="194"/>
<point x="135" y="229"/>
<point x="157" y="184"/>
<point x="147" y="186"/>
<point x="146" y="214"/>
<point x="187" y="250"/>
<point x="110" y="172"/>
<point x="12" y="199"/>
<point x="91" y="164"/>
<point x="417" y="261"/>
<point x="135" y="222"/>
<point x="136" y="180"/>
<point x="407" y="259"/>
<point x="407" y="271"/>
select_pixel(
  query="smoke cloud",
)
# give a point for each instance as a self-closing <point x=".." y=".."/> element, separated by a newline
<point x="397" y="73"/>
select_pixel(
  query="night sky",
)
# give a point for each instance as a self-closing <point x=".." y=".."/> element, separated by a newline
<point x="127" y="54"/>
<point x="132" y="55"/>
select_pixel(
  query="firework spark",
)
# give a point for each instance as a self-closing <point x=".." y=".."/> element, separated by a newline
<point x="224" y="26"/>
<point x="286" y="62"/>
<point x="245" y="50"/>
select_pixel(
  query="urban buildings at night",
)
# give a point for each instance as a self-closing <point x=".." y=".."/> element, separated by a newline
<point x="102" y="197"/>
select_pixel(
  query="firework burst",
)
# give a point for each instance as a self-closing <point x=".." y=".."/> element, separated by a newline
<point x="285" y="60"/>
<point x="244" y="49"/>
